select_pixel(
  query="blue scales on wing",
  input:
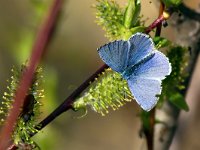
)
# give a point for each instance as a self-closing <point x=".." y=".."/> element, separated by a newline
<point x="145" y="91"/>
<point x="141" y="45"/>
<point x="115" y="55"/>
<point x="140" y="64"/>
<point x="120" y="54"/>
<point x="145" y="82"/>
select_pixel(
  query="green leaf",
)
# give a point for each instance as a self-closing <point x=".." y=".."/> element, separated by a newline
<point x="137" y="12"/>
<point x="130" y="10"/>
<point x="179" y="101"/>
<point x="169" y="3"/>
<point x="138" y="29"/>
<point x="161" y="42"/>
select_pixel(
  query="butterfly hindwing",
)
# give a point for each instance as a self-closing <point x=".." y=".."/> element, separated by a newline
<point x="141" y="45"/>
<point x="145" y="91"/>
<point x="115" y="55"/>
<point x="145" y="82"/>
<point x="155" y="68"/>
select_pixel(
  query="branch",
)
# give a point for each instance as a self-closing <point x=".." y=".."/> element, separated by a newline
<point x="169" y="113"/>
<point x="68" y="102"/>
<point x="190" y="13"/>
<point x="66" y="105"/>
<point x="37" y="52"/>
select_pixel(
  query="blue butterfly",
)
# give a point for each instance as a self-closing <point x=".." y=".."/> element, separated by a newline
<point x="140" y="64"/>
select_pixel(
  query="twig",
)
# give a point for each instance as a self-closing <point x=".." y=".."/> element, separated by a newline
<point x="37" y="52"/>
<point x="169" y="113"/>
<point x="190" y="13"/>
<point x="68" y="102"/>
<point x="150" y="132"/>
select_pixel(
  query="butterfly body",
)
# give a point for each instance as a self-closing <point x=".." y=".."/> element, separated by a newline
<point x="140" y="64"/>
<point x="130" y="71"/>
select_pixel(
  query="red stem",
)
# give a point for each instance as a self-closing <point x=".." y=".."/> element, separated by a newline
<point x="37" y="52"/>
<point x="156" y="23"/>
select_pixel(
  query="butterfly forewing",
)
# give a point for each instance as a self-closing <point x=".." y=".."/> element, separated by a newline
<point x="141" y="46"/>
<point x="115" y="55"/>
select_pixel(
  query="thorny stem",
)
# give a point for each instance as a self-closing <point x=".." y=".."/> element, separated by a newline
<point x="150" y="132"/>
<point x="37" y="52"/>
<point x="68" y="102"/>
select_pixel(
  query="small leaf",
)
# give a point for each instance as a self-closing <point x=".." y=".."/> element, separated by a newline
<point x="129" y="13"/>
<point x="137" y="12"/>
<point x="132" y="13"/>
<point x="161" y="42"/>
<point x="138" y="29"/>
<point x="179" y="101"/>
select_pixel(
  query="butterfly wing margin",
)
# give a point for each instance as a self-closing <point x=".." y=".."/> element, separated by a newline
<point x="155" y="68"/>
<point x="115" y="55"/>
<point x="141" y="45"/>
<point x="145" y="91"/>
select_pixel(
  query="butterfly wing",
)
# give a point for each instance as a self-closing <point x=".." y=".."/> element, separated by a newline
<point x="155" y="68"/>
<point x="115" y="55"/>
<point x="141" y="45"/>
<point x="145" y="82"/>
<point x="145" y="91"/>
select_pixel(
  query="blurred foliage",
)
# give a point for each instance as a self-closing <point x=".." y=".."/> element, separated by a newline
<point x="174" y="83"/>
<point x="172" y="3"/>
<point x="30" y="111"/>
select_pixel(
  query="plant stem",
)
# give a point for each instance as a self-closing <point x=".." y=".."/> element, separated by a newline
<point x="68" y="102"/>
<point x="66" y="105"/>
<point x="150" y="132"/>
<point x="37" y="52"/>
